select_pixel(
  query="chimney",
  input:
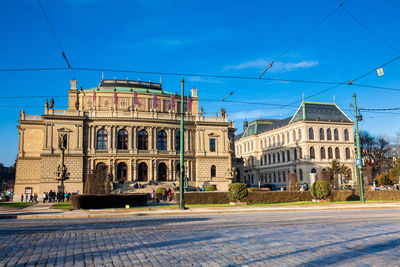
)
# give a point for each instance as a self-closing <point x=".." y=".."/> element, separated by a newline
<point x="73" y="84"/>
<point x="194" y="92"/>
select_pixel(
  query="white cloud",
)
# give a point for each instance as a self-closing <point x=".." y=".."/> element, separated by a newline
<point x="203" y="80"/>
<point x="278" y="66"/>
<point x="252" y="114"/>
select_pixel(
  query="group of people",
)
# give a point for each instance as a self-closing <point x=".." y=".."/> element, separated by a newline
<point x="48" y="197"/>
<point x="166" y="195"/>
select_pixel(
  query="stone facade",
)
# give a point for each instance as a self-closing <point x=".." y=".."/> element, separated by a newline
<point x="303" y="144"/>
<point x="118" y="125"/>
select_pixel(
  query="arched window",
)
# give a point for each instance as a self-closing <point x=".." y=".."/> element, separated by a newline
<point x="102" y="137"/>
<point x="310" y="133"/>
<point x="294" y="136"/>
<point x="177" y="140"/>
<point x="301" y="174"/>
<point x="122" y="139"/>
<point x="337" y="153"/>
<point x="122" y="172"/>
<point x="269" y="141"/>
<point x="283" y="139"/>
<point x="273" y="158"/>
<point x="279" y="177"/>
<point x="284" y="176"/>
<point x="313" y="170"/>
<point x="279" y="140"/>
<point x="265" y="159"/>
<point x="336" y="135"/>
<point x="312" y="153"/>
<point x="274" y="177"/>
<point x="269" y="158"/>
<point x="273" y="142"/>
<point x="213" y="171"/>
<point x="347" y="153"/>
<point x="322" y="153"/>
<point x="283" y="156"/>
<point x="288" y="138"/>
<point x="346" y="135"/>
<point x="162" y="172"/>
<point x="142" y="140"/>
<point x="300" y="153"/>
<point x="288" y="155"/>
<point x="295" y="154"/>
<point x="101" y="165"/>
<point x="321" y="134"/>
<point x="330" y="154"/>
<point x="278" y="156"/>
<point x="328" y="134"/>
<point x="299" y="133"/>
<point x="162" y="140"/>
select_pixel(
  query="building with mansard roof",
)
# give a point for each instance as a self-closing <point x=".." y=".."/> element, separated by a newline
<point x="304" y="143"/>
<point x="132" y="127"/>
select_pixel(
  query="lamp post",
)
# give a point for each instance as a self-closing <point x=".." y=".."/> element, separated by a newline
<point x="182" y="151"/>
<point x="358" y="159"/>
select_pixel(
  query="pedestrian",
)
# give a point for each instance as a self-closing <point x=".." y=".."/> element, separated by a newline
<point x="169" y="193"/>
<point x="31" y="198"/>
<point x="65" y="197"/>
<point x="68" y="195"/>
<point x="153" y="195"/>
<point x="44" y="197"/>
<point x="26" y="197"/>
<point x="164" y="194"/>
<point x="22" y="197"/>
<point x="36" y="198"/>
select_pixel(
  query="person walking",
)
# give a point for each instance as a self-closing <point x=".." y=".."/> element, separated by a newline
<point x="22" y="197"/>
<point x="169" y="193"/>
<point x="164" y="194"/>
<point x="26" y="197"/>
<point x="44" y="197"/>
<point x="153" y="195"/>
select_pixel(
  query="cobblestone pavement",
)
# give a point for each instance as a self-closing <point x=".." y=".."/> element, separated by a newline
<point x="312" y="238"/>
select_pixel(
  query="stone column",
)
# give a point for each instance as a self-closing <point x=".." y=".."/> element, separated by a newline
<point x="169" y="139"/>
<point x="51" y="138"/>
<point x="171" y="170"/>
<point x="134" y="137"/>
<point x="45" y="137"/>
<point x="77" y="136"/>
<point x="130" y="139"/>
<point x="204" y="140"/>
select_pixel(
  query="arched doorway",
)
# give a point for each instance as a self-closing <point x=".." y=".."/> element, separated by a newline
<point x="101" y="165"/>
<point x="162" y="172"/>
<point x="122" y="174"/>
<point x="142" y="172"/>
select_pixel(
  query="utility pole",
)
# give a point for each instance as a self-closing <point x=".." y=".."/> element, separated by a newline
<point x="358" y="159"/>
<point x="182" y="151"/>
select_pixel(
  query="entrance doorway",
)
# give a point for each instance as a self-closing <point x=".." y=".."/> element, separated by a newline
<point x="162" y="172"/>
<point x="142" y="172"/>
<point x="122" y="174"/>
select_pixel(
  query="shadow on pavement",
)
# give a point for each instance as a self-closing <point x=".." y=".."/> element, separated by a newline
<point x="81" y="225"/>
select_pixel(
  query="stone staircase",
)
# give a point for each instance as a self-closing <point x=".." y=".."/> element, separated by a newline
<point x="128" y="187"/>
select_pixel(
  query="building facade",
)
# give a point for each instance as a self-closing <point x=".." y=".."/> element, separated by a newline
<point x="303" y="144"/>
<point x="133" y="128"/>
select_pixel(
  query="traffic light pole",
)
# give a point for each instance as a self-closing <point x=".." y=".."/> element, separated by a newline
<point x="359" y="160"/>
<point x="181" y="164"/>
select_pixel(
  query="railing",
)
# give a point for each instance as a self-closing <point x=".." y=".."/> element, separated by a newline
<point x="131" y="114"/>
<point x="33" y="117"/>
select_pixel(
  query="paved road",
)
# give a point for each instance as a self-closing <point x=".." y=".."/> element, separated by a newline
<point x="312" y="238"/>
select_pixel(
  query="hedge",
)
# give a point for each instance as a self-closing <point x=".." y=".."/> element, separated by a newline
<point x="107" y="201"/>
<point x="286" y="196"/>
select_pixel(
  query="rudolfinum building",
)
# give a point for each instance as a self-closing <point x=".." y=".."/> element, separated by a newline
<point x="132" y="127"/>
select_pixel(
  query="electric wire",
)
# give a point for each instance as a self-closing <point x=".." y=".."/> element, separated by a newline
<point x="55" y="36"/>
<point x="370" y="31"/>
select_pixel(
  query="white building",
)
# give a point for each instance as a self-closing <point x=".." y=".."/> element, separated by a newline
<point x="305" y="143"/>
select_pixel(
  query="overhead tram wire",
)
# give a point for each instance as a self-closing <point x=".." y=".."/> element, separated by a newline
<point x="302" y="37"/>
<point x="289" y="48"/>
<point x="55" y="37"/>
<point x="350" y="82"/>
<point x="371" y="31"/>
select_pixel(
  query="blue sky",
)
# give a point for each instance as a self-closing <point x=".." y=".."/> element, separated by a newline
<point x="213" y="37"/>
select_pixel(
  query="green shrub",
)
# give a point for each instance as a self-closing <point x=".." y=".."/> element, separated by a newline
<point x="107" y="201"/>
<point x="237" y="191"/>
<point x="320" y="190"/>
<point x="211" y="188"/>
<point x="384" y="179"/>
<point x="159" y="190"/>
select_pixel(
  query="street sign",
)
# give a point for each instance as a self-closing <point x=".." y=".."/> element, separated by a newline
<point x="380" y="72"/>
<point x="358" y="162"/>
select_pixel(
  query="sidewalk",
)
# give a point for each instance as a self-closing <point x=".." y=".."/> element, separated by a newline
<point x="43" y="211"/>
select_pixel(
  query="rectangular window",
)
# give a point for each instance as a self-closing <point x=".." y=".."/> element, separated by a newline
<point x="212" y="144"/>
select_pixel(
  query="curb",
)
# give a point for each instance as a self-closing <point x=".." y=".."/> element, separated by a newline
<point x="193" y="212"/>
